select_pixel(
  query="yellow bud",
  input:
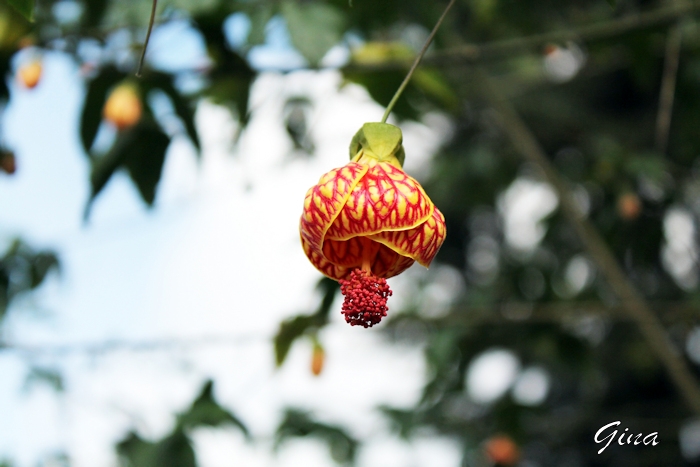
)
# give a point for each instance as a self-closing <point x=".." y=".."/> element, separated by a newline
<point x="29" y="74"/>
<point x="317" y="360"/>
<point x="123" y="107"/>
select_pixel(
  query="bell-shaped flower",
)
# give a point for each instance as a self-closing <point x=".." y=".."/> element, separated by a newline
<point x="368" y="221"/>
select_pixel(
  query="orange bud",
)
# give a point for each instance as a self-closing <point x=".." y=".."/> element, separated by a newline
<point x="629" y="207"/>
<point x="29" y="74"/>
<point x="123" y="107"/>
<point x="502" y="450"/>
<point x="8" y="163"/>
<point x="317" y="360"/>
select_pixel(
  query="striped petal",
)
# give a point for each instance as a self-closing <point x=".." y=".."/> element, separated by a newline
<point x="420" y="243"/>
<point x="346" y="255"/>
<point x="385" y="199"/>
<point x="323" y="204"/>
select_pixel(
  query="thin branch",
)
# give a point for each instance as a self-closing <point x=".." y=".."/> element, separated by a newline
<point x="416" y="62"/>
<point x="668" y="87"/>
<point x="590" y="32"/>
<point x="635" y="306"/>
<point x="148" y="37"/>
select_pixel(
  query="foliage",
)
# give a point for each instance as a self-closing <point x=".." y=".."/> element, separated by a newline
<point x="584" y="76"/>
<point x="175" y="449"/>
<point x="23" y="269"/>
<point x="297" y="423"/>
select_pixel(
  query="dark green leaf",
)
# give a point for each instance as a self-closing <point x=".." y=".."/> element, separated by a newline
<point x="314" y="28"/>
<point x="205" y="411"/>
<point x="297" y="423"/>
<point x="173" y="451"/>
<point x="231" y="76"/>
<point x="289" y="331"/>
<point x="182" y="106"/>
<point x="297" y="326"/>
<point x="41" y="264"/>
<point x="141" y="150"/>
<point x="95" y="98"/>
<point x="25" y="7"/>
<point x="144" y="160"/>
<point x="612" y="3"/>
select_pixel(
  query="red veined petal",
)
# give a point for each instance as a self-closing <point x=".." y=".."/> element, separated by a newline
<point x="322" y="205"/>
<point x="385" y="199"/>
<point x="420" y="243"/>
<point x="347" y="254"/>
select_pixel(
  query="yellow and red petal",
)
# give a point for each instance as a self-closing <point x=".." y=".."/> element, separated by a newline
<point x="420" y="243"/>
<point x="324" y="202"/>
<point x="319" y="261"/>
<point x="385" y="199"/>
<point x="346" y="255"/>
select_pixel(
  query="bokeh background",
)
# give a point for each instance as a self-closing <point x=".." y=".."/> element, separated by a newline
<point x="156" y="308"/>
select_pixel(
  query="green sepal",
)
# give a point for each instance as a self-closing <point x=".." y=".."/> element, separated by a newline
<point x="381" y="141"/>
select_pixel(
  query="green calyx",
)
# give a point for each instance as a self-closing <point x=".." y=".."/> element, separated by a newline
<point x="380" y="141"/>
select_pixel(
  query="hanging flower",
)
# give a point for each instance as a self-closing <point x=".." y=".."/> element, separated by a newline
<point x="368" y="221"/>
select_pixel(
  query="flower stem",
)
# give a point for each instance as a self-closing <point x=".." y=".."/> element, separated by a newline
<point x="415" y="63"/>
<point x="148" y="36"/>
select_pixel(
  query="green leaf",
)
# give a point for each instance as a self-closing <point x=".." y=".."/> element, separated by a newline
<point x="95" y="98"/>
<point x="48" y="376"/>
<point x="612" y="3"/>
<point x="258" y="22"/>
<point x="290" y="330"/>
<point x="145" y="158"/>
<point x="25" y="7"/>
<point x="314" y="28"/>
<point x="297" y="423"/>
<point x="293" y="328"/>
<point x="141" y="150"/>
<point x="182" y="106"/>
<point x="173" y="451"/>
<point x="231" y="76"/>
<point x="205" y="411"/>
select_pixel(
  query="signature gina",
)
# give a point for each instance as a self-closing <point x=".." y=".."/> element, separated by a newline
<point x="651" y="438"/>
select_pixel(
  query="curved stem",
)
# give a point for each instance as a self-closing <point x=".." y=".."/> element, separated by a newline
<point x="416" y="62"/>
<point x="148" y="37"/>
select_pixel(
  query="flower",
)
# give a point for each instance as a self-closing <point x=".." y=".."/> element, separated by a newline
<point x="368" y="221"/>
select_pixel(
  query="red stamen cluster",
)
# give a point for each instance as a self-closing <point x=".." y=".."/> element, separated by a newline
<point x="365" y="298"/>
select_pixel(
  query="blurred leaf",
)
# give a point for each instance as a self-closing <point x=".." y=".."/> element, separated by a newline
<point x="231" y="76"/>
<point x="27" y="268"/>
<point x="25" y="7"/>
<point x="259" y="18"/>
<point x="95" y="98"/>
<point x="296" y="124"/>
<point x="289" y="331"/>
<point x="173" y="451"/>
<point x="182" y="106"/>
<point x="141" y="150"/>
<point x="612" y="3"/>
<point x="94" y="12"/>
<point x="651" y="166"/>
<point x="314" y="28"/>
<point x="205" y="411"/>
<point x="402" y="421"/>
<point x="41" y="264"/>
<point x="297" y="423"/>
<point x="48" y="376"/>
<point x="144" y="159"/>
<point x="297" y="326"/>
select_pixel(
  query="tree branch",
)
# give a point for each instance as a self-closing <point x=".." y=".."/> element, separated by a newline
<point x="506" y="47"/>
<point x="668" y="87"/>
<point x="631" y="301"/>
